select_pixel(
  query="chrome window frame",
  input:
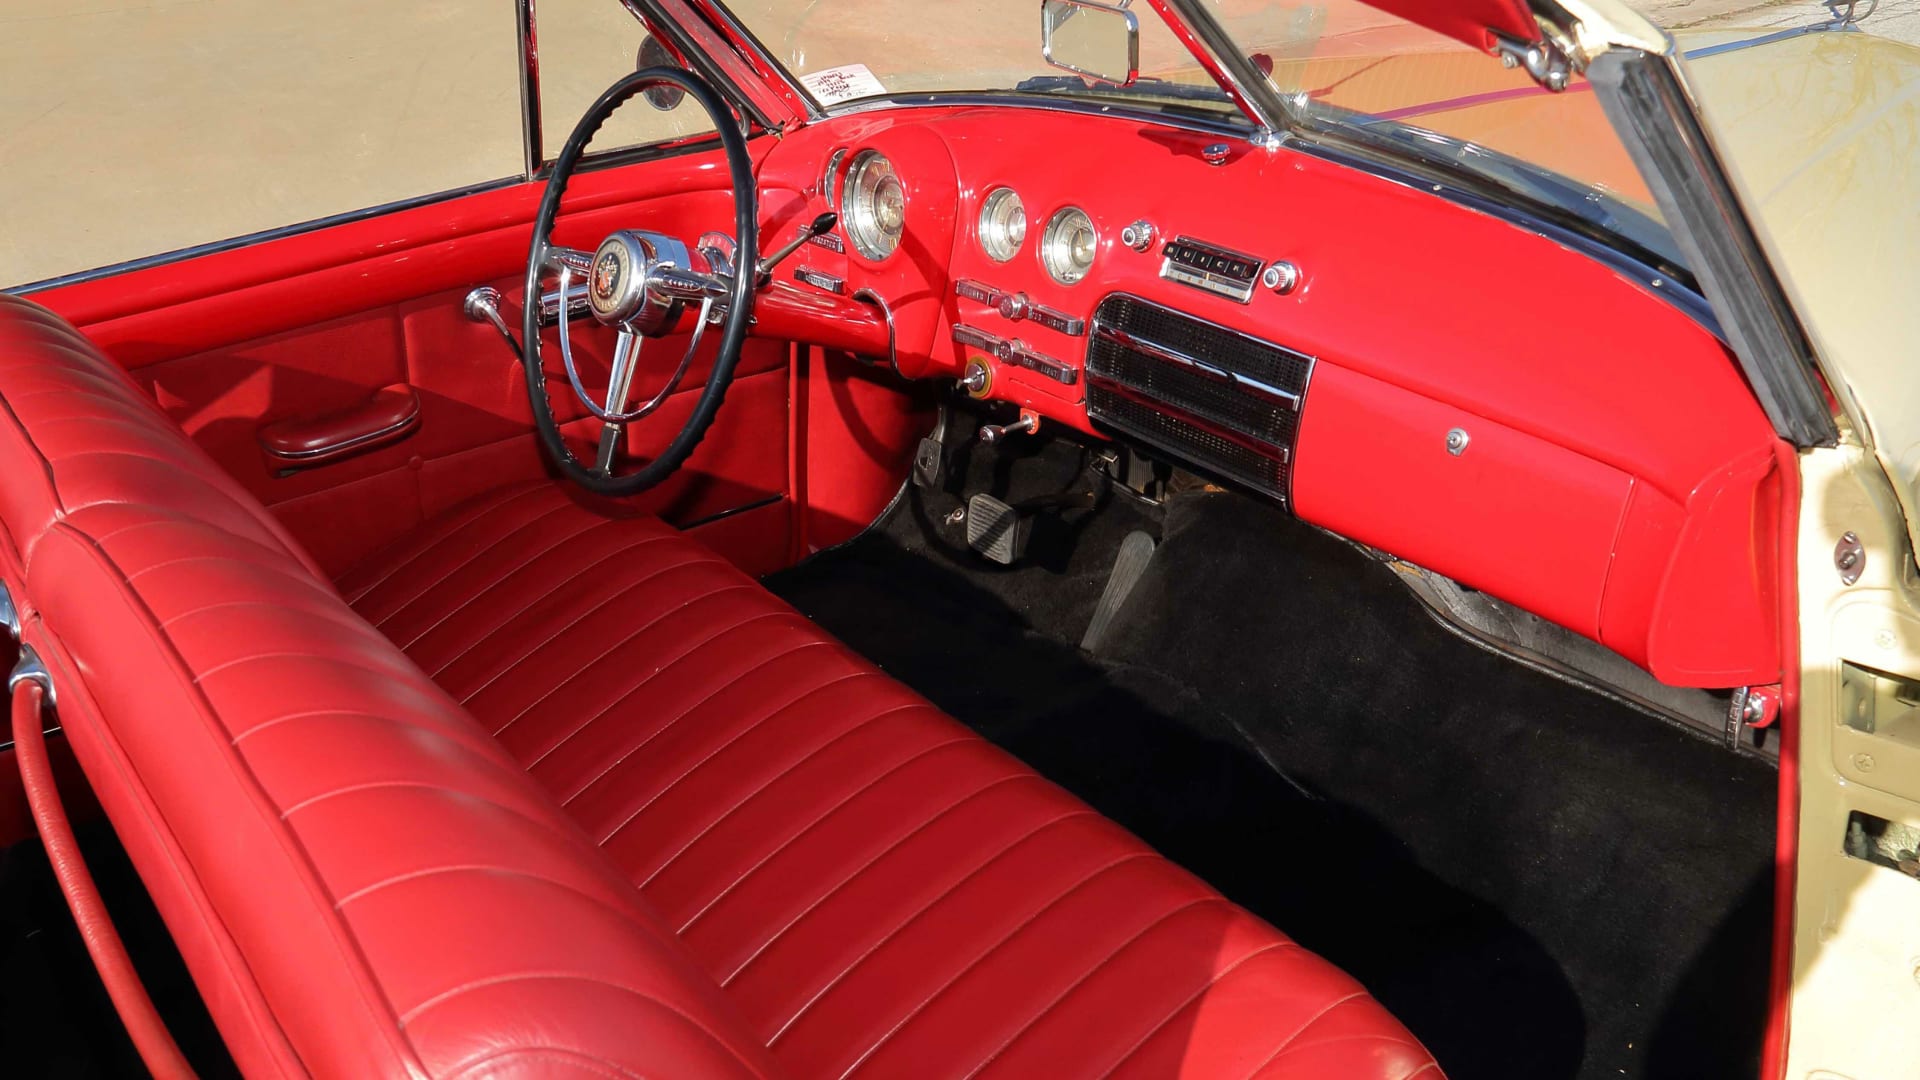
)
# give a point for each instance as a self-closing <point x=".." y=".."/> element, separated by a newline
<point x="1646" y="100"/>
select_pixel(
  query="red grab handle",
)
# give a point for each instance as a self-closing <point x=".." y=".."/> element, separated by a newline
<point x="130" y="1000"/>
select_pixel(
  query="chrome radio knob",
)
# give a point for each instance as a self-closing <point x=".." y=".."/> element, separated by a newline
<point x="1281" y="276"/>
<point x="1139" y="236"/>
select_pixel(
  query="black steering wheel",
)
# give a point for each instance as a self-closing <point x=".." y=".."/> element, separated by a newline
<point x="642" y="284"/>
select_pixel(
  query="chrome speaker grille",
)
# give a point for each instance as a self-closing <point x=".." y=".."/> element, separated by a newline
<point x="1222" y="401"/>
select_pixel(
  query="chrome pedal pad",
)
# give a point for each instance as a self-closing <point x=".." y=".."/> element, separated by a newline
<point x="995" y="530"/>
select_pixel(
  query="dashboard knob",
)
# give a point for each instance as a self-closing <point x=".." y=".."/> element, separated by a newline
<point x="1013" y="306"/>
<point x="1139" y="236"/>
<point x="977" y="380"/>
<point x="1282" y="276"/>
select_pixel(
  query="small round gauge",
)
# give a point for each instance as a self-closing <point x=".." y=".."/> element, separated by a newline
<point x="1068" y="246"/>
<point x="874" y="205"/>
<point x="1003" y="224"/>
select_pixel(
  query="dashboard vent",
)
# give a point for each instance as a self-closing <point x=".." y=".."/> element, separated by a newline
<point x="1220" y="400"/>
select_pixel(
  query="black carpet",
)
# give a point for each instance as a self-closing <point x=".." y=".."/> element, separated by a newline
<point x="1538" y="882"/>
<point x="55" y="1017"/>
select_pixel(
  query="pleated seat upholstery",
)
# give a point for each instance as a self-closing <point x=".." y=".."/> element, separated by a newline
<point x="880" y="891"/>
<point x="552" y="790"/>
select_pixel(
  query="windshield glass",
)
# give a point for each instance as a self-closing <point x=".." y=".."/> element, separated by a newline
<point x="1342" y="67"/>
<point x="848" y="50"/>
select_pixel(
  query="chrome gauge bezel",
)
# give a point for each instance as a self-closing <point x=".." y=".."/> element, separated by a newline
<point x="1002" y="235"/>
<point x="868" y="176"/>
<point x="830" y="180"/>
<point x="1056" y="245"/>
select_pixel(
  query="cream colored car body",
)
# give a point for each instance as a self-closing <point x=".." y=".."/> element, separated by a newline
<point x="1820" y="133"/>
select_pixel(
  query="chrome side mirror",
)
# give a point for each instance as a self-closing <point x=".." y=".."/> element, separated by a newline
<point x="662" y="96"/>
<point x="1098" y="41"/>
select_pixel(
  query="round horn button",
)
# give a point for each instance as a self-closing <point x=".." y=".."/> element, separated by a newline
<point x="616" y="288"/>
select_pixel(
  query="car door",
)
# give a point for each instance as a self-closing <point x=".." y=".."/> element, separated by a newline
<point x="322" y="210"/>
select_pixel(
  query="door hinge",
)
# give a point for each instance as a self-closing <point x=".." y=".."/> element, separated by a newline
<point x="1550" y="64"/>
<point x="1752" y="708"/>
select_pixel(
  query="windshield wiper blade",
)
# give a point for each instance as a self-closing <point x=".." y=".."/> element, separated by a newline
<point x="1145" y="86"/>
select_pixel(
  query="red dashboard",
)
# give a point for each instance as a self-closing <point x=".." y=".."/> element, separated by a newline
<point x="1465" y="393"/>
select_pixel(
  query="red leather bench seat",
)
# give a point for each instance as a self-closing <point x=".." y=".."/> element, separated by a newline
<point x="547" y="790"/>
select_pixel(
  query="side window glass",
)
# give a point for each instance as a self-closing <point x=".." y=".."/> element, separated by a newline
<point x="135" y="130"/>
<point x="585" y="46"/>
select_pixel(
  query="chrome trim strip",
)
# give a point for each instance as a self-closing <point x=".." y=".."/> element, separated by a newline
<point x="820" y="279"/>
<point x="532" y="141"/>
<point x="1163" y="352"/>
<point x="742" y="36"/>
<point x="146" y="262"/>
<point x="978" y="338"/>
<point x="1646" y="99"/>
<point x="1018" y="99"/>
<point x="1768" y="39"/>
<point x="1248" y="84"/>
<point x="1101" y="329"/>
<point x="1268" y="450"/>
<point x="868" y="296"/>
<point x="1056" y="320"/>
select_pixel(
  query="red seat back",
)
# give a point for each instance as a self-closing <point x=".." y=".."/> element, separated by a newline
<point x="360" y="880"/>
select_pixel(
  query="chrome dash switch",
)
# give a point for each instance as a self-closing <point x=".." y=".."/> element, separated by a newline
<point x="1139" y="236"/>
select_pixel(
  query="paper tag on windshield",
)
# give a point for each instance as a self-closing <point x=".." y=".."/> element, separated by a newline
<point x="842" y="83"/>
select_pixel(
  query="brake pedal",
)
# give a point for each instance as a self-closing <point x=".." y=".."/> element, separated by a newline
<point x="997" y="531"/>
<point x="1136" y="551"/>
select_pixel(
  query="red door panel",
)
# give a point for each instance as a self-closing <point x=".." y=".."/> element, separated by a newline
<point x="1514" y="515"/>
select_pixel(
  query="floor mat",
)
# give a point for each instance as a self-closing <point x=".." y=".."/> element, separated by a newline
<point x="1540" y="883"/>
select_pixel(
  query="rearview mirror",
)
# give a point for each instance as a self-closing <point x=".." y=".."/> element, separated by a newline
<point x="1099" y="41"/>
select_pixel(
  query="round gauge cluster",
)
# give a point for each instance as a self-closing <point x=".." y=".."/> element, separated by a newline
<point x="1068" y="246"/>
<point x="1003" y="224"/>
<point x="873" y="205"/>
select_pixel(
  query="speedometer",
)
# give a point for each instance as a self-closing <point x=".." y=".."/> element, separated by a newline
<point x="1069" y="244"/>
<point x="1003" y="224"/>
<point x="874" y="206"/>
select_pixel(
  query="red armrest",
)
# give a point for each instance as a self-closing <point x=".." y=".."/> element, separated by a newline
<point x="302" y="442"/>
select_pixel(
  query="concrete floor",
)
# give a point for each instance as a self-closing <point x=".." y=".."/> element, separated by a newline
<point x="129" y="127"/>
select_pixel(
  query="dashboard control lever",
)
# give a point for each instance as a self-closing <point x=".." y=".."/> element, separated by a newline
<point x="991" y="434"/>
<point x="483" y="305"/>
<point x="819" y="226"/>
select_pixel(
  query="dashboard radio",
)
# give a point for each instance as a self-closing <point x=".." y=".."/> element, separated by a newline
<point x="1213" y="397"/>
<point x="1209" y="268"/>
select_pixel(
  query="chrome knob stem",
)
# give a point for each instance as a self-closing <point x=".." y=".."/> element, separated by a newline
<point x="994" y="433"/>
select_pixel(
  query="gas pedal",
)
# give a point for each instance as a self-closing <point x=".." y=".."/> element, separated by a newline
<point x="1136" y="551"/>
